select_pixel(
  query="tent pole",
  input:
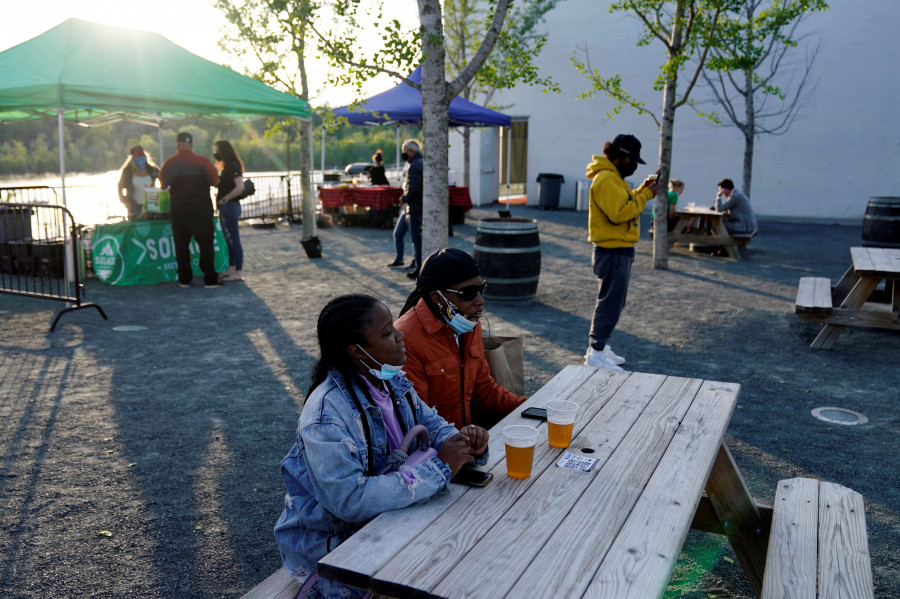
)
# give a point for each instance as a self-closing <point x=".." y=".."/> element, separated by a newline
<point x="62" y="154"/>
<point x="159" y="132"/>
<point x="398" y="147"/>
<point x="322" y="160"/>
<point x="508" y="160"/>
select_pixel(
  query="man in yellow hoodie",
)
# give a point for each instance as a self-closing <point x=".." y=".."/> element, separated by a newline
<point x="614" y="227"/>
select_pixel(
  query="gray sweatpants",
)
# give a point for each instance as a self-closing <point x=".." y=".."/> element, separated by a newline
<point x="614" y="273"/>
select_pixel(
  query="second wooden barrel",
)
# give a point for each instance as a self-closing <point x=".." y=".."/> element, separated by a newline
<point x="508" y="253"/>
<point x="881" y="223"/>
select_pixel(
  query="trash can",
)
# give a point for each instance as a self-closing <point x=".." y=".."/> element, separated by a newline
<point x="548" y="190"/>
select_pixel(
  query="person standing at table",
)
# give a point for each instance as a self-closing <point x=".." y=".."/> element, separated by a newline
<point x="231" y="186"/>
<point x="444" y="351"/>
<point x="189" y="177"/>
<point x="376" y="173"/>
<point x="413" y="183"/>
<point x="138" y="173"/>
<point x="614" y="228"/>
<point x="739" y="217"/>
<point x="676" y="188"/>
<point x="346" y="466"/>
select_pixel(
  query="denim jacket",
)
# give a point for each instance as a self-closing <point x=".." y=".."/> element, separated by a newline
<point x="329" y="493"/>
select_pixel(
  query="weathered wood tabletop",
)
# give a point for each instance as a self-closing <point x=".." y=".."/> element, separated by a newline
<point x="613" y="531"/>
<point x="871" y="266"/>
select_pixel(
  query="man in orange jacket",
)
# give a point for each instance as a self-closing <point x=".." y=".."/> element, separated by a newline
<point x="444" y="352"/>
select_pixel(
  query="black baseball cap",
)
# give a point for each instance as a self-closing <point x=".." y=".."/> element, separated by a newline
<point x="630" y="146"/>
<point x="187" y="138"/>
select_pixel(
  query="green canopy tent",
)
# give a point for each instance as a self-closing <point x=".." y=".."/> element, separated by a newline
<point x="97" y="74"/>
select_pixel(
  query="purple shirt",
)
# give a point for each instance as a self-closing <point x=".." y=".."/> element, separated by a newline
<point x="382" y="399"/>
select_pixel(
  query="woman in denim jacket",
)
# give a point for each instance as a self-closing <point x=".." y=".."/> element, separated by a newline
<point x="340" y="473"/>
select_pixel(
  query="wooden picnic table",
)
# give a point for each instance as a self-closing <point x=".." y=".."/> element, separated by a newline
<point x="844" y="305"/>
<point x="706" y="227"/>
<point x="614" y="531"/>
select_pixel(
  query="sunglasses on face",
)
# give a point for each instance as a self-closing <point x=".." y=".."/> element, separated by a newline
<point x="467" y="294"/>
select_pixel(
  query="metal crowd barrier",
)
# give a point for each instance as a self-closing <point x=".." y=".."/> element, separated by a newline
<point x="40" y="249"/>
<point x="277" y="196"/>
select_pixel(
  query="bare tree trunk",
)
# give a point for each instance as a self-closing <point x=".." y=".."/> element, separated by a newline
<point x="306" y="136"/>
<point x="467" y="155"/>
<point x="435" y="106"/>
<point x="749" y="130"/>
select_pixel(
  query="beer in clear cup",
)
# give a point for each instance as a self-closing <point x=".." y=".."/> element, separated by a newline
<point x="520" y="441"/>
<point x="560" y="421"/>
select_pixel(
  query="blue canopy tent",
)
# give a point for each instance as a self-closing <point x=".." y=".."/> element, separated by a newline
<point x="402" y="105"/>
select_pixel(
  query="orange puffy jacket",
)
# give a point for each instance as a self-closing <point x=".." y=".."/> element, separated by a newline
<point x="434" y="367"/>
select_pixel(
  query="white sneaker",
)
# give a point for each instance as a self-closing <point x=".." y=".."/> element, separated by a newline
<point x="613" y="357"/>
<point x="599" y="359"/>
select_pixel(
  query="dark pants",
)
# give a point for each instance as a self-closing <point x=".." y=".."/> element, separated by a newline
<point x="196" y="222"/>
<point x="614" y="272"/>
<point x="229" y="215"/>
<point x="400" y="230"/>
<point x="415" y="231"/>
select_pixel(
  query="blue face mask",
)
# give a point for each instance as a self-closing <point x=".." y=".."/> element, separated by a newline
<point x="140" y="161"/>
<point x="459" y="323"/>
<point x="387" y="371"/>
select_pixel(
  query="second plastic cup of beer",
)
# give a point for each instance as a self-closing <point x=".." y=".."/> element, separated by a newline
<point x="560" y="421"/>
<point x="520" y="441"/>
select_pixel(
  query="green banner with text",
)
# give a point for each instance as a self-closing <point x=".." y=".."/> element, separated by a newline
<point x="143" y="253"/>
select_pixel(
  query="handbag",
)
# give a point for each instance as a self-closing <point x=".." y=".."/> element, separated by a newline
<point x="504" y="356"/>
<point x="249" y="189"/>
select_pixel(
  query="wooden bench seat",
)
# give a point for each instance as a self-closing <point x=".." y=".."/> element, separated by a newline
<point x="818" y="546"/>
<point x="279" y="585"/>
<point x="742" y="239"/>
<point x="813" y="295"/>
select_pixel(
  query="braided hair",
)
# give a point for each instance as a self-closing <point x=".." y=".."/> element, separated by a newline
<point x="341" y="324"/>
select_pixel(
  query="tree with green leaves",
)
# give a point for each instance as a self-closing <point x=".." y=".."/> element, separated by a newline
<point x="751" y="75"/>
<point x="273" y="34"/>
<point x="687" y="29"/>
<point x="398" y="53"/>
<point x="509" y="64"/>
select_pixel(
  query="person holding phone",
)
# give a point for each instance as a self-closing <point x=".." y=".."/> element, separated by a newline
<point x="613" y="227"/>
<point x="445" y="353"/>
<point x="343" y="469"/>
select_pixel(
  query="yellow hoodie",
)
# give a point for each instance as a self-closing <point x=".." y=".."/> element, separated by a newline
<point x="613" y="218"/>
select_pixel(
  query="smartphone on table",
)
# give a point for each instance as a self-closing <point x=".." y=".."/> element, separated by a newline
<point x="536" y="413"/>
<point x="473" y="477"/>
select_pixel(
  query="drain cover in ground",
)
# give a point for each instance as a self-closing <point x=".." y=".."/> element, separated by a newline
<point x="129" y="327"/>
<point x="839" y="416"/>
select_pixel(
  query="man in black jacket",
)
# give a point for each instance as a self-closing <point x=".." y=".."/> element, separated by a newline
<point x="411" y="152"/>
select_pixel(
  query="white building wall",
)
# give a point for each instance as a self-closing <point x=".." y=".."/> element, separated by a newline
<point x="840" y="151"/>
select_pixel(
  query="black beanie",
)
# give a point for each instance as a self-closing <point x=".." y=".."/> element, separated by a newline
<point x="440" y="270"/>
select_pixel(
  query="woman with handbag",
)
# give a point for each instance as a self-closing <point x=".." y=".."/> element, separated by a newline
<point x="444" y="348"/>
<point x="348" y="464"/>
<point x="228" y="201"/>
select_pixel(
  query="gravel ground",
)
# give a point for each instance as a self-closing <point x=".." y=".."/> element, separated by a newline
<point x="146" y="463"/>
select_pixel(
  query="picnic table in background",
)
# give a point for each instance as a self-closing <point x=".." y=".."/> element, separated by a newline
<point x="377" y="205"/>
<point x="845" y="304"/>
<point x="706" y="227"/>
<point x="459" y="202"/>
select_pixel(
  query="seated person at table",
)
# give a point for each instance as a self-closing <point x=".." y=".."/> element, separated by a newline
<point x="739" y="217"/>
<point x="443" y="342"/>
<point x="138" y="173"/>
<point x="676" y="187"/>
<point x="376" y="173"/>
<point x="359" y="399"/>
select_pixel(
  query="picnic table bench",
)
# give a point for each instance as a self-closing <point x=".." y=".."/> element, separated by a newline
<point x="615" y="527"/>
<point x="704" y="227"/>
<point x="844" y="305"/>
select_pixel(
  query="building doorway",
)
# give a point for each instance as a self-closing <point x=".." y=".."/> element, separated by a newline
<point x="514" y="140"/>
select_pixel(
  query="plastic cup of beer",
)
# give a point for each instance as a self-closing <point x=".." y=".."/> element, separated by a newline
<point x="560" y="421"/>
<point x="520" y="441"/>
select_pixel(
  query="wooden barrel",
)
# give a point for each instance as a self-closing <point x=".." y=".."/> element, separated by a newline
<point x="881" y="223"/>
<point x="508" y="253"/>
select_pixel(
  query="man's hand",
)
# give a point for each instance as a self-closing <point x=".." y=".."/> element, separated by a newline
<point x="652" y="182"/>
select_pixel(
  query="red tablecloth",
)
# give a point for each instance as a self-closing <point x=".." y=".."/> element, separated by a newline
<point x="377" y="198"/>
<point x="459" y="196"/>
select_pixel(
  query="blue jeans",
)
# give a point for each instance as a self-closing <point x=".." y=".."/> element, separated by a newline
<point x="400" y="230"/>
<point x="415" y="231"/>
<point x="229" y="213"/>
<point x="614" y="273"/>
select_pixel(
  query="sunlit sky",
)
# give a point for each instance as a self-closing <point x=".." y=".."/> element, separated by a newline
<point x="193" y="24"/>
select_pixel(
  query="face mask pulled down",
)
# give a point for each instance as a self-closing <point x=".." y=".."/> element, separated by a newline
<point x="386" y="372"/>
<point x="459" y="323"/>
